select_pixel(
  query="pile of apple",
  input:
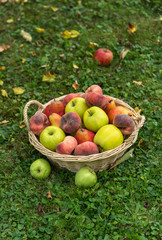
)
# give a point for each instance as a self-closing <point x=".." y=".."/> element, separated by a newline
<point x="82" y="124"/>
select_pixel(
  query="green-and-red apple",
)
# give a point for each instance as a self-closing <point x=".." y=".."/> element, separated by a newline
<point x="77" y="105"/>
<point x="94" y="118"/>
<point x="51" y="136"/>
<point x="108" y="137"/>
<point x="40" y="169"/>
<point x="103" y="56"/>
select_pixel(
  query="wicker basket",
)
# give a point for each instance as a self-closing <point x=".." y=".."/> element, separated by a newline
<point x="97" y="162"/>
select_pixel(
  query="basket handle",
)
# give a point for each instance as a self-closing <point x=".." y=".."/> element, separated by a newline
<point x="142" y="120"/>
<point x="40" y="105"/>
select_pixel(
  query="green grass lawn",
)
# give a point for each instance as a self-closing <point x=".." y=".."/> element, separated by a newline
<point x="125" y="203"/>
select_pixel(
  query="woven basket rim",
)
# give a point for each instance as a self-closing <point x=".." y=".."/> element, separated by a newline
<point x="139" y="121"/>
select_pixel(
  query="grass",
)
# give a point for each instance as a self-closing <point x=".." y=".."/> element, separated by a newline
<point x="126" y="202"/>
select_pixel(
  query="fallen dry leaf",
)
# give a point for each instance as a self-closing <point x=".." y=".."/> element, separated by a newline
<point x="40" y="30"/>
<point x="44" y="66"/>
<point x="26" y="36"/>
<point x="55" y="9"/>
<point x="23" y="60"/>
<point x="69" y="34"/>
<point x="2" y="68"/>
<point x="75" y="85"/>
<point x="49" y="196"/>
<point x="4" y="1"/>
<point x="9" y="20"/>
<point x="62" y="55"/>
<point x="48" y="77"/>
<point x="140" y="142"/>
<point x="131" y="28"/>
<point x="4" y="48"/>
<point x="18" y="91"/>
<point x="24" y="1"/>
<point x="4" y="122"/>
<point x="21" y="126"/>
<point x="41" y="210"/>
<point x="123" y="54"/>
<point x="92" y="44"/>
<point x="33" y="54"/>
<point x="75" y="66"/>
<point x="1" y="83"/>
<point x="138" y="83"/>
<point x="4" y="93"/>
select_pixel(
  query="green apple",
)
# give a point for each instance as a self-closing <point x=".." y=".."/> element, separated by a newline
<point x="77" y="105"/>
<point x="108" y="137"/>
<point x="40" y="168"/>
<point x="51" y="136"/>
<point x="94" y="118"/>
<point x="85" y="177"/>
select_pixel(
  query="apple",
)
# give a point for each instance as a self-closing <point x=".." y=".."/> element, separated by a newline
<point x="40" y="169"/>
<point x="94" y="118"/>
<point x="68" y="97"/>
<point x="51" y="136"/>
<point x="77" y="105"/>
<point x="85" y="177"/>
<point x="108" y="137"/>
<point x="55" y="119"/>
<point x="94" y="88"/>
<point x="86" y="148"/>
<point x="118" y="110"/>
<point x="57" y="107"/>
<point x="110" y="105"/>
<point x="83" y="135"/>
<point x="38" y="122"/>
<point x="103" y="56"/>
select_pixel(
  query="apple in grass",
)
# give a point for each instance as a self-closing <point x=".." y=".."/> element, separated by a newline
<point x="83" y="135"/>
<point x="85" y="177"/>
<point x="108" y="137"/>
<point x="77" y="105"/>
<point x="51" y="136"/>
<point x="94" y="118"/>
<point x="103" y="56"/>
<point x="40" y="169"/>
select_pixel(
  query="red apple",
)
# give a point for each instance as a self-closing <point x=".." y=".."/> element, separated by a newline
<point x="68" y="97"/>
<point x="38" y="122"/>
<point x="57" y="107"/>
<point x="111" y="104"/>
<point x="103" y="56"/>
<point x="94" y="88"/>
<point x="84" y="135"/>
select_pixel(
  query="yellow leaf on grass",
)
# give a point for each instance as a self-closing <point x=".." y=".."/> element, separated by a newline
<point x="4" y="122"/>
<point x="4" y="48"/>
<point x="2" y="67"/>
<point x="48" y="77"/>
<point x="137" y="83"/>
<point x="62" y="55"/>
<point x="10" y="20"/>
<point x="123" y="54"/>
<point x="49" y="196"/>
<point x="131" y="28"/>
<point x="75" y="85"/>
<point x="33" y="54"/>
<point x="40" y="30"/>
<point x="23" y="60"/>
<point x="92" y="44"/>
<point x="24" y="1"/>
<point x="140" y="142"/>
<point x="18" y="90"/>
<point x="1" y="83"/>
<point x="55" y="9"/>
<point x="21" y="126"/>
<point x="21" y="45"/>
<point x="75" y="66"/>
<point x="4" y="93"/>
<point x="26" y="36"/>
<point x="69" y="34"/>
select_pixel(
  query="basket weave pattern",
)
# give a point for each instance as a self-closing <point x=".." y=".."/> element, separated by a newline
<point x="97" y="162"/>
